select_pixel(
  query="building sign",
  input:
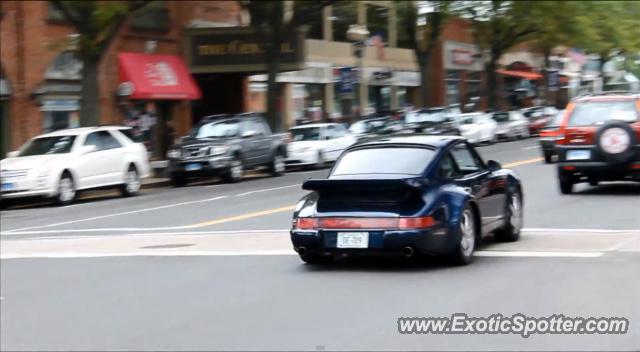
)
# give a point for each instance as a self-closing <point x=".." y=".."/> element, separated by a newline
<point x="211" y="50"/>
<point x="347" y="80"/>
<point x="461" y="56"/>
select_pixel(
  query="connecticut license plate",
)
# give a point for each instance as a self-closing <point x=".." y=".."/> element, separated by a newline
<point x="7" y="186"/>
<point x="353" y="240"/>
<point x="578" y="155"/>
<point x="193" y="167"/>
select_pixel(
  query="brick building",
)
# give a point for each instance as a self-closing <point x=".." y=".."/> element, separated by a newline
<point x="41" y="79"/>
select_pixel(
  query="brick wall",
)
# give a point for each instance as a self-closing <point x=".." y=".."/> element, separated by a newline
<point x="30" y="42"/>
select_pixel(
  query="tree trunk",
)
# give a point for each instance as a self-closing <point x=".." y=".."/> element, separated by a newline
<point x="273" y="118"/>
<point x="90" y="96"/>
<point x="423" y="62"/>
<point x="492" y="83"/>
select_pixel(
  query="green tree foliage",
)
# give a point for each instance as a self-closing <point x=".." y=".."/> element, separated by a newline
<point x="607" y="28"/>
<point x="275" y="22"/>
<point x="421" y="33"/>
<point x="97" y="23"/>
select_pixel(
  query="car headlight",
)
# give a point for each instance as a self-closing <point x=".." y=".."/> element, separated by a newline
<point x="221" y="149"/>
<point x="174" y="154"/>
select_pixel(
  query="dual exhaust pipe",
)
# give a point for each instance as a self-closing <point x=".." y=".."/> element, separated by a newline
<point x="407" y="251"/>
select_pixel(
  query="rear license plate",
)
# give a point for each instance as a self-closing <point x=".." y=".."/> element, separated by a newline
<point x="7" y="186"/>
<point x="578" y="155"/>
<point x="353" y="240"/>
<point x="193" y="167"/>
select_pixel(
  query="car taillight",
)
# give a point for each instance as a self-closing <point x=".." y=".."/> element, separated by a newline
<point x="416" y="223"/>
<point x="560" y="139"/>
<point x="346" y="223"/>
<point x="306" y="223"/>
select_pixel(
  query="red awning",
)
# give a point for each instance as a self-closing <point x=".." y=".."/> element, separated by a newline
<point x="520" y="74"/>
<point x="155" y="77"/>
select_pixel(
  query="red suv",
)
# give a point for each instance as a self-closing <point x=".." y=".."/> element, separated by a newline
<point x="599" y="140"/>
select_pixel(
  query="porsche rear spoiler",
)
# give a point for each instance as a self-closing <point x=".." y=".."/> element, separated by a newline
<point x="335" y="186"/>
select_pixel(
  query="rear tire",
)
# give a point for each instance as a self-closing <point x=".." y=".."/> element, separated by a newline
<point x="277" y="165"/>
<point x="66" y="190"/>
<point x="463" y="253"/>
<point x="510" y="231"/>
<point x="178" y="180"/>
<point x="547" y="158"/>
<point x="565" y="181"/>
<point x="234" y="173"/>
<point x="320" y="161"/>
<point x="131" y="185"/>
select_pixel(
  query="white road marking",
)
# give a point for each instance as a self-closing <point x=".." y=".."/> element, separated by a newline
<point x="582" y="231"/>
<point x="182" y="253"/>
<point x="531" y="147"/>
<point x="119" y="214"/>
<point x="538" y="254"/>
<point x="266" y="190"/>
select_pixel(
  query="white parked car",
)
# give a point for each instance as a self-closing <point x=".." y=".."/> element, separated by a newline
<point x="511" y="124"/>
<point x="61" y="163"/>
<point x="317" y="144"/>
<point x="477" y="127"/>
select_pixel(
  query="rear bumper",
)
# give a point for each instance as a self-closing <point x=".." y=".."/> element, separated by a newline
<point x="594" y="167"/>
<point x="432" y="241"/>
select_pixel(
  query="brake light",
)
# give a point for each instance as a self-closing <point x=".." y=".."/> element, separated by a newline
<point x="635" y="166"/>
<point x="416" y="223"/>
<point x="401" y="223"/>
<point x="306" y="223"/>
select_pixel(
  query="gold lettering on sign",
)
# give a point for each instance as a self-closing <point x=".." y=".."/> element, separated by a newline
<point x="238" y="47"/>
<point x="219" y="49"/>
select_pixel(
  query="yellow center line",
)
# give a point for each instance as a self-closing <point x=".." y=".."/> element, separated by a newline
<point x="242" y="217"/>
<point x="291" y="207"/>
<point x="523" y="162"/>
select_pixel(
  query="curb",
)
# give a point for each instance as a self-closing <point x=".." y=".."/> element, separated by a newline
<point x="156" y="183"/>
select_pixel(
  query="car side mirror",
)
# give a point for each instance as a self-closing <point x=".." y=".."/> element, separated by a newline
<point x="86" y="149"/>
<point x="248" y="134"/>
<point x="13" y="154"/>
<point x="493" y="165"/>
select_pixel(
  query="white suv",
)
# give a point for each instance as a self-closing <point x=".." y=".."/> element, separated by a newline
<point x="60" y="163"/>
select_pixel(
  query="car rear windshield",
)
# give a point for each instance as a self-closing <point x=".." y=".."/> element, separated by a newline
<point x="305" y="134"/>
<point x="388" y="160"/>
<point x="48" y="145"/>
<point x="219" y="129"/>
<point x="501" y="117"/>
<point x="598" y="112"/>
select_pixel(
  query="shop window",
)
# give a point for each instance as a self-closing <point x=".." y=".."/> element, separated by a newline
<point x="153" y="17"/>
<point x="402" y="97"/>
<point x="345" y="13"/>
<point x="313" y="25"/>
<point x="473" y="87"/>
<point x="452" y="82"/>
<point x="378" y="22"/>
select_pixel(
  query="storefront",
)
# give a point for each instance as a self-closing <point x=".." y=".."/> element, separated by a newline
<point x="462" y="73"/>
<point x="150" y="86"/>
<point x="520" y="85"/>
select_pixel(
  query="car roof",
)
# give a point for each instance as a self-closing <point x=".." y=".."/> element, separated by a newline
<point x="426" y="140"/>
<point x="80" y="130"/>
<point x="608" y="96"/>
<point x="314" y="125"/>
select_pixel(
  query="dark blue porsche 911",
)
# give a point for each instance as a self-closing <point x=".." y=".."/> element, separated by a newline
<point x="410" y="195"/>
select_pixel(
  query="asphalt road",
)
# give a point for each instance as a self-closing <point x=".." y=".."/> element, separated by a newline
<point x="208" y="266"/>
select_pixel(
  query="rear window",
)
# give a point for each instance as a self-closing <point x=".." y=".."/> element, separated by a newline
<point x="411" y="161"/>
<point x="598" y="112"/>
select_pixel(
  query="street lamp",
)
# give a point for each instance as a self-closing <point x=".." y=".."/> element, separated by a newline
<point x="358" y="34"/>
